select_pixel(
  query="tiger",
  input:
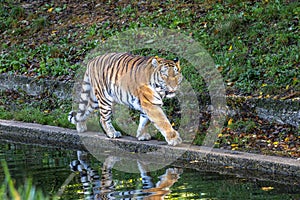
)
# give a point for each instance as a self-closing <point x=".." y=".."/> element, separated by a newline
<point x="136" y="81"/>
<point x="102" y="186"/>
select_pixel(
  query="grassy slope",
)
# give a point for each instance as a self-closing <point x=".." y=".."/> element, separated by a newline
<point x="255" y="46"/>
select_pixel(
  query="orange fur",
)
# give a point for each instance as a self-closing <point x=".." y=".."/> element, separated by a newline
<point x="136" y="81"/>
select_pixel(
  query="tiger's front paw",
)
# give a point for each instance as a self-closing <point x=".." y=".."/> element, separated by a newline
<point x="115" y="134"/>
<point x="145" y="136"/>
<point x="173" y="138"/>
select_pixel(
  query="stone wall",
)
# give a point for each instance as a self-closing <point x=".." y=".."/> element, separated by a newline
<point x="280" y="111"/>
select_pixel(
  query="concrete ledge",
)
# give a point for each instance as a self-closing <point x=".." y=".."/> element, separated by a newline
<point x="275" y="168"/>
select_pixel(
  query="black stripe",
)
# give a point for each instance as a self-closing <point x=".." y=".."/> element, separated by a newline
<point x="95" y="107"/>
<point x="140" y="66"/>
<point x="147" y="99"/>
<point x="92" y="100"/>
<point x="144" y="115"/>
<point x="119" y="93"/>
<point x="105" y="102"/>
<point x="85" y="91"/>
<point x="133" y="74"/>
<point x="120" y="67"/>
<point x="151" y="101"/>
<point x="96" y="62"/>
<point x="112" y="72"/>
<point x="105" y="112"/>
<point x="82" y="101"/>
<point x="126" y="59"/>
<point x="130" y="65"/>
<point x="157" y="97"/>
<point x="127" y="96"/>
<point x="136" y="63"/>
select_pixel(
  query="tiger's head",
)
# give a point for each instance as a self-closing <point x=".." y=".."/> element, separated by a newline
<point x="167" y="76"/>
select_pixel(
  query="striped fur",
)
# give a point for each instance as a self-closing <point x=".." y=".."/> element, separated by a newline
<point x="136" y="81"/>
<point x="102" y="186"/>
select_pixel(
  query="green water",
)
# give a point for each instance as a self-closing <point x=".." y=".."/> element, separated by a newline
<point x="50" y="171"/>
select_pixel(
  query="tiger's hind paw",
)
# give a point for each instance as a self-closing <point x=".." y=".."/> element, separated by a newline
<point x="115" y="134"/>
<point x="145" y="136"/>
<point x="81" y="127"/>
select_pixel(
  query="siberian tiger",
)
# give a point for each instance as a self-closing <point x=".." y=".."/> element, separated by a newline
<point x="100" y="187"/>
<point x="136" y="81"/>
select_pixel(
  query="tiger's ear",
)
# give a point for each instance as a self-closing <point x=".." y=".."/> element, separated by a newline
<point x="177" y="62"/>
<point x="154" y="62"/>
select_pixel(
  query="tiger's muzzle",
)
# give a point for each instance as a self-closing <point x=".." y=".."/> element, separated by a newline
<point x="170" y="93"/>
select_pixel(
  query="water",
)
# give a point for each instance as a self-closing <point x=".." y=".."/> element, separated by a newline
<point x="50" y="170"/>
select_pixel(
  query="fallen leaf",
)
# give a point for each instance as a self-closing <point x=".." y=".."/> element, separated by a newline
<point x="220" y="68"/>
<point x="234" y="145"/>
<point x="50" y="10"/>
<point x="267" y="188"/>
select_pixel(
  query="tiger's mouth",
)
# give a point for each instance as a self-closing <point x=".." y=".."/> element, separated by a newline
<point x="170" y="94"/>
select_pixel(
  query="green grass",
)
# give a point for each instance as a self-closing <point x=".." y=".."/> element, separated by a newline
<point x="253" y="43"/>
<point x="35" y="115"/>
<point x="43" y="109"/>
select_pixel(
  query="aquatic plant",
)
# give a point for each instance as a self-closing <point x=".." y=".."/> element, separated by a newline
<point x="27" y="192"/>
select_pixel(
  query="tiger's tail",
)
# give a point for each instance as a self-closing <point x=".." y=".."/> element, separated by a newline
<point x="87" y="103"/>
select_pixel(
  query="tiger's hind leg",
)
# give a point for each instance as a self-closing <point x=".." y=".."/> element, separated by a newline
<point x="80" y="125"/>
<point x="105" y="119"/>
<point x="142" y="129"/>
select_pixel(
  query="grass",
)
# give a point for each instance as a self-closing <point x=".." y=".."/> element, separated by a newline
<point x="44" y="109"/>
<point x="35" y="115"/>
<point x="253" y="43"/>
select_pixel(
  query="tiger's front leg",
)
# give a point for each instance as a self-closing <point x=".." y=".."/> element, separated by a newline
<point x="161" y="122"/>
<point x="151" y="105"/>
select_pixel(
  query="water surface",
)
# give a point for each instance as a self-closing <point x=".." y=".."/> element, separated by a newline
<point x="86" y="177"/>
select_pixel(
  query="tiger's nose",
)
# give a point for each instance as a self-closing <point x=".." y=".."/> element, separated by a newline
<point x="172" y="89"/>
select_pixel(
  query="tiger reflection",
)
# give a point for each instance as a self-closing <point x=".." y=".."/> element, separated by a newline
<point x="100" y="188"/>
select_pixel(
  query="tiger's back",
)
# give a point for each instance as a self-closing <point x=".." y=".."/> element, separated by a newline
<point x="119" y="76"/>
<point x="136" y="81"/>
